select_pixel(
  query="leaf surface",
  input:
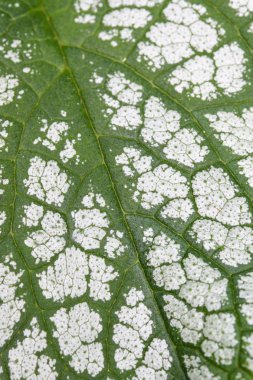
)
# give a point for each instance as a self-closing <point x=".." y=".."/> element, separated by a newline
<point x="126" y="183"/>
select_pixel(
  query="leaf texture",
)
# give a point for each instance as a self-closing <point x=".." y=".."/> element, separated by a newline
<point x="126" y="183"/>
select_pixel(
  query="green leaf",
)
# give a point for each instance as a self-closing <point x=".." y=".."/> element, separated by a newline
<point x="126" y="187"/>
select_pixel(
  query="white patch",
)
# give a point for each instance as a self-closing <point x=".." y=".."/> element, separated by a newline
<point x="49" y="238"/>
<point x="124" y="90"/>
<point x="156" y="362"/>
<point x="206" y="78"/>
<point x="27" y="361"/>
<point x="127" y="18"/>
<point x="8" y="84"/>
<point x="121" y="102"/>
<point x="15" y="51"/>
<point x="186" y="148"/>
<point x="100" y="275"/>
<point x="134" y="328"/>
<point x="122" y="22"/>
<point x="188" y="321"/>
<point x="178" y="209"/>
<point x="188" y="30"/>
<point x="5" y="125"/>
<point x="245" y="286"/>
<point x="204" y="285"/>
<point x="113" y="246"/>
<point x="196" y="370"/>
<point x="162" y="249"/>
<point x="235" y="244"/>
<point x="69" y="152"/>
<point x="163" y="255"/>
<point x="162" y="128"/>
<point x="77" y="331"/>
<point x="67" y="277"/>
<point x="235" y="132"/>
<point x="54" y="134"/>
<point x="246" y="166"/>
<point x="218" y="330"/>
<point x="248" y="348"/>
<point x="3" y="181"/>
<point x="220" y="338"/>
<point x="134" y="3"/>
<point x="11" y="306"/>
<point x="91" y="226"/>
<point x="152" y="187"/>
<point x="73" y="272"/>
<point x="215" y="197"/>
<point x="243" y="8"/>
<point x="26" y="70"/>
<point x="3" y="218"/>
<point x="97" y="79"/>
<point x="86" y="11"/>
<point x="198" y="283"/>
<point x="11" y="50"/>
<point x="46" y="181"/>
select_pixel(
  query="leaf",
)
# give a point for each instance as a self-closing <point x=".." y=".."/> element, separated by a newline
<point x="126" y="184"/>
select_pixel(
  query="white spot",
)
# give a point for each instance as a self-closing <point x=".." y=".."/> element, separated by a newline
<point x="243" y="8"/>
<point x="162" y="249"/>
<point x="219" y="338"/>
<point x="119" y="24"/>
<point x="218" y="330"/>
<point x="152" y="187"/>
<point x="26" y="70"/>
<point x="123" y="89"/>
<point x="100" y="276"/>
<point x="197" y="282"/>
<point x="196" y="370"/>
<point x="135" y="3"/>
<point x="46" y="181"/>
<point x="11" y="305"/>
<point x="11" y="50"/>
<point x="121" y="100"/>
<point x="3" y="218"/>
<point x="49" y="238"/>
<point x="8" y="84"/>
<point x="73" y="272"/>
<point x="162" y="128"/>
<point x="5" y="125"/>
<point x="26" y="360"/>
<point x="188" y="29"/>
<point x="3" y="181"/>
<point x="178" y="209"/>
<point x="53" y="134"/>
<point x="246" y="166"/>
<point x="248" y="348"/>
<point x="235" y="244"/>
<point x="207" y="78"/>
<point x="77" y="331"/>
<point x="245" y="286"/>
<point x="156" y="362"/>
<point x="134" y="328"/>
<point x="127" y="18"/>
<point x="215" y="197"/>
<point x="92" y="226"/>
<point x="86" y="11"/>
<point x="234" y="131"/>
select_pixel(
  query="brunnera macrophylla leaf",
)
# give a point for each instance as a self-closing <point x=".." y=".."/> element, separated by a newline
<point x="126" y="187"/>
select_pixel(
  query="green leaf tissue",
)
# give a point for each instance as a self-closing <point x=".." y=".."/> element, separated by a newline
<point x="126" y="189"/>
